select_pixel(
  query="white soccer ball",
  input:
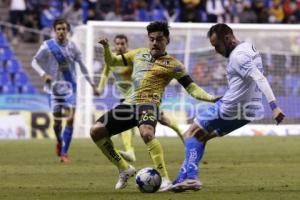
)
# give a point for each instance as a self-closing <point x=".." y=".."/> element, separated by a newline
<point x="148" y="180"/>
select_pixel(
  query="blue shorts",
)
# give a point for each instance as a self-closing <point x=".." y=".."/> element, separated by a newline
<point x="57" y="104"/>
<point x="209" y="119"/>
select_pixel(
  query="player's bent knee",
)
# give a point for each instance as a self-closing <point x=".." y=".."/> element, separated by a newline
<point x="98" y="131"/>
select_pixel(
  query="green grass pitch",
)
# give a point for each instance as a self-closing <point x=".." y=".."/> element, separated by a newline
<point x="238" y="168"/>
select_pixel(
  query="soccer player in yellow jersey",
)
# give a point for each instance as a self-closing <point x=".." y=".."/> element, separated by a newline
<point x="122" y="76"/>
<point x="153" y="69"/>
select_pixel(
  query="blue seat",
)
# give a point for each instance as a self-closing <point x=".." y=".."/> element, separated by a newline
<point x="4" y="44"/>
<point x="13" y="66"/>
<point x="9" y="89"/>
<point x="3" y="41"/>
<point x="28" y="89"/>
<point x="2" y="69"/>
<point x="4" y="79"/>
<point x="6" y="53"/>
<point x="20" y="79"/>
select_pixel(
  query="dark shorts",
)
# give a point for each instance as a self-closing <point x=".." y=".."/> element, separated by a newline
<point x="57" y="104"/>
<point x="211" y="121"/>
<point x="124" y="117"/>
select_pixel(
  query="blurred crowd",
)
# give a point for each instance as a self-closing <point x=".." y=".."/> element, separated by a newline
<point x="40" y="14"/>
<point x="282" y="72"/>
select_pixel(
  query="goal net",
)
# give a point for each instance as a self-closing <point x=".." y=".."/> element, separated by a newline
<point x="278" y="44"/>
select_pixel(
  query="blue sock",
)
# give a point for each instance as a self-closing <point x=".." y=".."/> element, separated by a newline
<point x="194" y="153"/>
<point x="182" y="174"/>
<point x="66" y="139"/>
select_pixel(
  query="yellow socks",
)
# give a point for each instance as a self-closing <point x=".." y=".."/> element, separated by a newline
<point x="107" y="147"/>
<point x="126" y="137"/>
<point x="157" y="155"/>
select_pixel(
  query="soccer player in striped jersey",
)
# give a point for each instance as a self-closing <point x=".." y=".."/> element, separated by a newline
<point x="123" y="81"/>
<point x="55" y="62"/>
<point x="241" y="104"/>
<point x="153" y="69"/>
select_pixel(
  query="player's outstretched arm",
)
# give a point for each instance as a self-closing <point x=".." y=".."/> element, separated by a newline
<point x="192" y="88"/>
<point x="264" y="86"/>
<point x="110" y="58"/>
<point x="198" y="93"/>
<point x="103" y="79"/>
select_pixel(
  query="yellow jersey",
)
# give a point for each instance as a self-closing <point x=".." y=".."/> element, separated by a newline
<point x="149" y="76"/>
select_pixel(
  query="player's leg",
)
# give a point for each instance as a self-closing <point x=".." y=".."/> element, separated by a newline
<point x="128" y="154"/>
<point x="147" y="123"/>
<point x="67" y="133"/>
<point x="68" y="103"/>
<point x="195" y="139"/>
<point x="187" y="178"/>
<point x="171" y="123"/>
<point x="56" y="108"/>
<point x="206" y="126"/>
<point x="113" y="122"/>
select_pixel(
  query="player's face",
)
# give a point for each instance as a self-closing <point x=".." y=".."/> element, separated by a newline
<point x="219" y="45"/>
<point x="61" y="31"/>
<point x="157" y="43"/>
<point x="120" y="45"/>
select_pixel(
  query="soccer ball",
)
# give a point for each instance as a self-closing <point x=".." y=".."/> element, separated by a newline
<point x="148" y="180"/>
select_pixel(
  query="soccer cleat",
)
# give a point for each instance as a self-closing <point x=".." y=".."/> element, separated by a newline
<point x="58" y="149"/>
<point x="128" y="155"/>
<point x="124" y="176"/>
<point x="65" y="159"/>
<point x="165" y="185"/>
<point x="180" y="177"/>
<point x="187" y="184"/>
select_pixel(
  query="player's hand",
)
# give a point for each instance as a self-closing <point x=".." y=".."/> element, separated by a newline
<point x="278" y="115"/>
<point x="96" y="91"/>
<point x="103" y="41"/>
<point x="217" y="98"/>
<point x="47" y="78"/>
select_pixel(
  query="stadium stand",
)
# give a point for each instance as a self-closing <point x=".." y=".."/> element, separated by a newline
<point x="12" y="78"/>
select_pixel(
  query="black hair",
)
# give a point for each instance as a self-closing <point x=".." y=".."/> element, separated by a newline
<point x="121" y="36"/>
<point x="61" y="21"/>
<point x="220" y="29"/>
<point x="160" y="26"/>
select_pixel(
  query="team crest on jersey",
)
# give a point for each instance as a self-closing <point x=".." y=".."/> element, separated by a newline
<point x="146" y="56"/>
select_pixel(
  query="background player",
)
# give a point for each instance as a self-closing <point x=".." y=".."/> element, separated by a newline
<point x="55" y="62"/>
<point x="153" y="69"/>
<point x="123" y="81"/>
<point x="241" y="104"/>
